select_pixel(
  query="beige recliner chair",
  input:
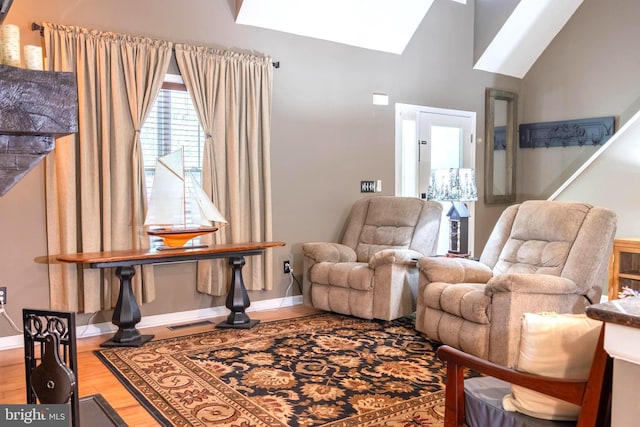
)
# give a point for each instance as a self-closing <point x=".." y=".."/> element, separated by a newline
<point x="541" y="256"/>
<point x="372" y="273"/>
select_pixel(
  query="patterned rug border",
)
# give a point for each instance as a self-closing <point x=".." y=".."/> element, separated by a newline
<point x="157" y="415"/>
<point x="436" y="397"/>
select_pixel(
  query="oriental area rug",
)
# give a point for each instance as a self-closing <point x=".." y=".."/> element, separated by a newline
<point x="318" y="370"/>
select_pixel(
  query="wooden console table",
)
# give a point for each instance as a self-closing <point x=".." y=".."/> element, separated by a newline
<point x="127" y="313"/>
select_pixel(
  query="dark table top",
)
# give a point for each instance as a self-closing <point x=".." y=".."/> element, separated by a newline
<point x="625" y="311"/>
<point x="150" y="256"/>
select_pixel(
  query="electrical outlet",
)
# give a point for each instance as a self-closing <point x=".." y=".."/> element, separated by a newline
<point x="286" y="267"/>
<point x="3" y="294"/>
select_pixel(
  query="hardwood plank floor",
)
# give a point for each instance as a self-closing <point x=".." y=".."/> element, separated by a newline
<point x="94" y="377"/>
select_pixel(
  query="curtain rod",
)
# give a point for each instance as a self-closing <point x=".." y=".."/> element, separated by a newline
<point x="38" y="27"/>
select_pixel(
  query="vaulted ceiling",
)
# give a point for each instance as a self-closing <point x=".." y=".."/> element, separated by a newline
<point x="514" y="43"/>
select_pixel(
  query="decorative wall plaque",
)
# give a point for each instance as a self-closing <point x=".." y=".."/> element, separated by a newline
<point x="567" y="133"/>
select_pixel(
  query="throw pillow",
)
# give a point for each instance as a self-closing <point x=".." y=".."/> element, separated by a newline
<point x="553" y="345"/>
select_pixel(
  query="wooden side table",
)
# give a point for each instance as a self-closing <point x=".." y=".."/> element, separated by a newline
<point x="624" y="268"/>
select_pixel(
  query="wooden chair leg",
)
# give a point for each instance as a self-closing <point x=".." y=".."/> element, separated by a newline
<point x="454" y="404"/>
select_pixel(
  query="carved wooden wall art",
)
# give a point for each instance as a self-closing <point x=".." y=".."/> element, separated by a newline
<point x="595" y="131"/>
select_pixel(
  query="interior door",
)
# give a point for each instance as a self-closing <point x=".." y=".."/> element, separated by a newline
<point x="431" y="138"/>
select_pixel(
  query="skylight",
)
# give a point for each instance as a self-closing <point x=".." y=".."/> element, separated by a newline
<point x="384" y="25"/>
<point x="525" y="35"/>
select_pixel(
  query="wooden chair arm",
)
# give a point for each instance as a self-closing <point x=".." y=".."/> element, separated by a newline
<point x="570" y="390"/>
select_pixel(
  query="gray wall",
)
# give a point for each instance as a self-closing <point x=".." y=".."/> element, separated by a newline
<point x="611" y="179"/>
<point x="326" y="134"/>
<point x="490" y="15"/>
<point x="590" y="69"/>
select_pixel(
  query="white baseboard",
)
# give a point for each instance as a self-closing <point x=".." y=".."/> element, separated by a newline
<point x="16" y="341"/>
<point x="13" y="341"/>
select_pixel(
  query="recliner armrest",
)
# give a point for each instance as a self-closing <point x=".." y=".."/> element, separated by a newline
<point x="394" y="256"/>
<point x="454" y="270"/>
<point x="328" y="252"/>
<point x="530" y="283"/>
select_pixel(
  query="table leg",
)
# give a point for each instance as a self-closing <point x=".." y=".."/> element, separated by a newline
<point x="126" y="314"/>
<point x="237" y="299"/>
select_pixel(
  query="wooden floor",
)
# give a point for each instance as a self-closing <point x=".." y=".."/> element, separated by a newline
<point x="95" y="378"/>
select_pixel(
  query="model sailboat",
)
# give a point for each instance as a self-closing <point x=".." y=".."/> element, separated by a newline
<point x="168" y="204"/>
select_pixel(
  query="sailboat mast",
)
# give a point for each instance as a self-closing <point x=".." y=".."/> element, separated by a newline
<point x="184" y="191"/>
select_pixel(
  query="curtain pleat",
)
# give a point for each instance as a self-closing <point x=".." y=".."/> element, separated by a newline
<point x="95" y="194"/>
<point x="232" y="96"/>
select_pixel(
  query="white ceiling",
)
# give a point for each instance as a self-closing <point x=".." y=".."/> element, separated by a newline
<point x="389" y="25"/>
<point x="384" y="25"/>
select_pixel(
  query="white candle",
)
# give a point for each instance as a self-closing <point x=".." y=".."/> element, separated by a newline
<point x="10" y="44"/>
<point x="33" y="57"/>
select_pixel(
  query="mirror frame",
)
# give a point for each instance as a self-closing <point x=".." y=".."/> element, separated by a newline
<point x="491" y="95"/>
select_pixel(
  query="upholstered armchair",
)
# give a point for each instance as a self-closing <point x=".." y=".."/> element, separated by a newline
<point x="372" y="272"/>
<point x="541" y="256"/>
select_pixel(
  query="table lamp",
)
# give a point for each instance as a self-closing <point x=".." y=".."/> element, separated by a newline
<point x="456" y="186"/>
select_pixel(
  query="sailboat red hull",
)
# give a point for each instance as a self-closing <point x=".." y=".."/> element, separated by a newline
<point x="177" y="237"/>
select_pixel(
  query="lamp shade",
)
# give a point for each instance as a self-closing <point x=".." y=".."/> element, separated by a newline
<point x="453" y="185"/>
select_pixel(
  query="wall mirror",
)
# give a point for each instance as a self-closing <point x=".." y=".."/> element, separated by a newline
<point x="500" y="146"/>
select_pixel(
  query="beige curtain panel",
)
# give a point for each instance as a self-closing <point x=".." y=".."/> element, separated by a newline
<point x="95" y="180"/>
<point x="232" y="96"/>
<point x="95" y="191"/>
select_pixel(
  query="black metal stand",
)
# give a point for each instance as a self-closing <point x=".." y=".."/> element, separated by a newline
<point x="126" y="314"/>
<point x="237" y="299"/>
<point x="51" y="371"/>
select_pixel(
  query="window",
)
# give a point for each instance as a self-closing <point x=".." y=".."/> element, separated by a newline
<point x="172" y="124"/>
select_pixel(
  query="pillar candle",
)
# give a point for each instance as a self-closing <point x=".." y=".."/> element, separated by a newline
<point x="10" y="45"/>
<point x="33" y="57"/>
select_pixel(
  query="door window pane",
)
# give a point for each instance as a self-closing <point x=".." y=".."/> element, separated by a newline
<point x="446" y="147"/>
